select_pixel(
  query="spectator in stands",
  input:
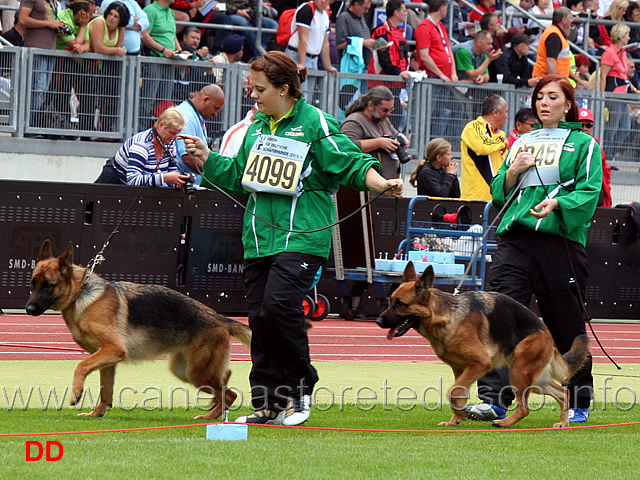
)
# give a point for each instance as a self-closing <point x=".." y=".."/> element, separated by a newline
<point x="542" y="8"/>
<point x="553" y="49"/>
<point x="41" y="26"/>
<point x="138" y="22"/>
<point x="485" y="6"/>
<point x="482" y="145"/>
<point x="203" y="11"/>
<point x="513" y="20"/>
<point x="190" y="78"/>
<point x="462" y="29"/>
<point x="8" y="16"/>
<point x="310" y="40"/>
<point x="15" y="35"/>
<point x="633" y="15"/>
<point x="105" y="35"/>
<point x="582" y="72"/>
<point x="368" y="126"/>
<point x="436" y="58"/>
<point x="613" y="78"/>
<point x="148" y="158"/>
<point x="202" y="106"/>
<point x="161" y="40"/>
<point x="191" y="40"/>
<point x="524" y="124"/>
<point x="577" y="31"/>
<point x="351" y="23"/>
<point x="594" y="41"/>
<point x="243" y="14"/>
<point x="232" y="52"/>
<point x="490" y="22"/>
<point x="415" y="16"/>
<point x="632" y="75"/>
<point x="513" y="63"/>
<point x="394" y="59"/>
<point x="586" y="118"/>
<point x="474" y="56"/>
<point x="76" y="16"/>
<point x="436" y="175"/>
<point x="432" y="43"/>
<point x="616" y="12"/>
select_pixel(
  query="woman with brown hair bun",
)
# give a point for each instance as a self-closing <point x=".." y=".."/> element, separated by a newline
<point x="292" y="159"/>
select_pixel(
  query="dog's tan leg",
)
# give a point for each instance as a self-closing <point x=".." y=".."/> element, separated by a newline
<point x="521" y="410"/>
<point x="527" y="364"/>
<point x="107" y="378"/>
<point x="458" y="394"/>
<point x="106" y="356"/>
<point x="561" y="394"/>
<point x="222" y="400"/>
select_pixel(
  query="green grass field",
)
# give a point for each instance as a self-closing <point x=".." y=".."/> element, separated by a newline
<point x="358" y="395"/>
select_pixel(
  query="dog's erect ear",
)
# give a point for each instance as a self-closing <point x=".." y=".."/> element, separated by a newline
<point x="426" y="279"/>
<point x="409" y="273"/>
<point x="66" y="259"/>
<point x="45" y="250"/>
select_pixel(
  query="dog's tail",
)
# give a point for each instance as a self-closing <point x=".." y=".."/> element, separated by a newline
<point x="573" y="360"/>
<point x="240" y="331"/>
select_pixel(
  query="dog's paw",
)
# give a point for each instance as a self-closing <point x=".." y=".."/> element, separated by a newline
<point x="450" y="423"/>
<point x="75" y="397"/>
<point x="92" y="414"/>
<point x="561" y="425"/>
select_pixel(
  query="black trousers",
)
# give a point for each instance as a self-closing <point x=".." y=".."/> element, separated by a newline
<point x="530" y="263"/>
<point x="109" y="174"/>
<point x="275" y="287"/>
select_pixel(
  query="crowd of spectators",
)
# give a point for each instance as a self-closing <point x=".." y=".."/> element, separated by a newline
<point x="338" y="36"/>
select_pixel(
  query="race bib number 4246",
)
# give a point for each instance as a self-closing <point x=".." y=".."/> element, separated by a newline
<point x="546" y="146"/>
<point x="274" y="165"/>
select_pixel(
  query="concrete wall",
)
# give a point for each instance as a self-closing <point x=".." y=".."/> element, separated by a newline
<point x="53" y="160"/>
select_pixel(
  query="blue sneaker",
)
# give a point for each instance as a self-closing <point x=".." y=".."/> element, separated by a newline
<point x="578" y="415"/>
<point x="486" y="412"/>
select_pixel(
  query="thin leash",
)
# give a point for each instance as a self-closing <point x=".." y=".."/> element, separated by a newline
<point x="587" y="317"/>
<point x="99" y="257"/>
<point x="474" y="255"/>
<point x="266" y="222"/>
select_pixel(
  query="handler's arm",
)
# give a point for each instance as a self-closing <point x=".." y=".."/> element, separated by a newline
<point x="378" y="183"/>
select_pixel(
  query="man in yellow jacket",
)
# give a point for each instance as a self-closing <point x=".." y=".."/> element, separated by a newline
<point x="483" y="144"/>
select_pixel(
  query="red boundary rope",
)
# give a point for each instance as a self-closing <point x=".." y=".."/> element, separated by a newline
<point x="332" y="429"/>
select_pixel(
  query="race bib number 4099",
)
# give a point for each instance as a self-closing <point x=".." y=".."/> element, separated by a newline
<point x="274" y="165"/>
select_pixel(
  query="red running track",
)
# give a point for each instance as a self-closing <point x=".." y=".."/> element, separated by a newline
<point x="46" y="338"/>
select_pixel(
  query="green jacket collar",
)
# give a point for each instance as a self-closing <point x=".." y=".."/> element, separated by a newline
<point x="296" y="108"/>
<point x="565" y="125"/>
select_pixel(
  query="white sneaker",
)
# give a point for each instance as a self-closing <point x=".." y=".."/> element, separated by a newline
<point x="298" y="411"/>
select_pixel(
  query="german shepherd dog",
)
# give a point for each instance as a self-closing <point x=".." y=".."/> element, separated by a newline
<point x="478" y="331"/>
<point x="122" y="321"/>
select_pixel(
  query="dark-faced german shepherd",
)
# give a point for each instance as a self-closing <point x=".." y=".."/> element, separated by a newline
<point x="477" y="331"/>
<point x="122" y="321"/>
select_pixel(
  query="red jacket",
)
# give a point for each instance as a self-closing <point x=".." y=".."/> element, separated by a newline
<point x="391" y="60"/>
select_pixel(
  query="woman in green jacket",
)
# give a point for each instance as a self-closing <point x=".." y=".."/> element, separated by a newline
<point x="552" y="177"/>
<point x="291" y="161"/>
